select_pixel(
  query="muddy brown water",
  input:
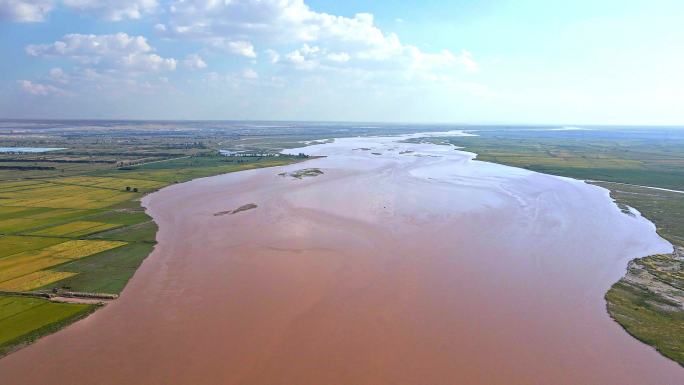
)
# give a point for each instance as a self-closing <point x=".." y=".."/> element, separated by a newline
<point x="414" y="268"/>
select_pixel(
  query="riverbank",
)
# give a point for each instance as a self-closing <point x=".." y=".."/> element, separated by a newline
<point x="648" y="302"/>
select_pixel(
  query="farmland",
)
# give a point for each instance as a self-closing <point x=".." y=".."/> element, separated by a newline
<point x="23" y="319"/>
<point x="649" y="157"/>
<point x="77" y="225"/>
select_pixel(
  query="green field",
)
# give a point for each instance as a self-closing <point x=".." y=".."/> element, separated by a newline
<point x="622" y="161"/>
<point x="648" y="316"/>
<point x="24" y="319"/>
<point x="641" y="157"/>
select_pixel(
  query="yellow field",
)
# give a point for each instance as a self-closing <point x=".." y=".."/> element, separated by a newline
<point x="10" y="210"/>
<point x="81" y="248"/>
<point x="111" y="183"/>
<point x="20" y="264"/>
<point x="27" y="218"/>
<point x="50" y="209"/>
<point x="34" y="280"/>
<point x="8" y="186"/>
<point x="54" y="213"/>
<point x="56" y="195"/>
<point x="75" y="229"/>
<point x="10" y="245"/>
<point x="18" y="224"/>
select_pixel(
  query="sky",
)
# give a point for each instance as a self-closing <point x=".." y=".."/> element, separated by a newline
<point x="495" y="61"/>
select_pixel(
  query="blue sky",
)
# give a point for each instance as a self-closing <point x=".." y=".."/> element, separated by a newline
<point x="524" y="61"/>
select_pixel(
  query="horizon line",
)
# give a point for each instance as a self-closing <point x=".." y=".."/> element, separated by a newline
<point x="579" y="125"/>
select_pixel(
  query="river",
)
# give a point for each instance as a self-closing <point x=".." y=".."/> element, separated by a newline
<point x="403" y="263"/>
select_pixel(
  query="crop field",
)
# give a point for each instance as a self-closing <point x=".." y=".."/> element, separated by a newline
<point x="34" y="280"/>
<point x="10" y="245"/>
<point x="75" y="229"/>
<point x="24" y="319"/>
<point x="642" y="157"/>
<point x="54" y="195"/>
<point x="106" y="272"/>
<point x="120" y="217"/>
<point x="36" y="217"/>
<point x="141" y="232"/>
<point x="27" y="262"/>
<point x="118" y="184"/>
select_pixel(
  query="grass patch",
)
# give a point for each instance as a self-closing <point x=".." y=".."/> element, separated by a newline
<point x="637" y="310"/>
<point x="23" y="319"/>
<point x="106" y="272"/>
<point x="141" y="232"/>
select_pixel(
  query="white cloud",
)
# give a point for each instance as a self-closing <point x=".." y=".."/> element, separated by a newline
<point x="112" y="64"/>
<point x="118" y="51"/>
<point x="304" y="52"/>
<point x="114" y="10"/>
<point x="273" y="56"/>
<point x="39" y="89"/>
<point x="25" y="10"/>
<point x="235" y="47"/>
<point x="305" y="58"/>
<point x="194" y="61"/>
<point x="310" y="57"/>
<point x="250" y="74"/>
<point x="356" y="40"/>
<point x="243" y="48"/>
<point x="466" y="59"/>
<point x="246" y="79"/>
<point x="58" y="75"/>
<point x="339" y="57"/>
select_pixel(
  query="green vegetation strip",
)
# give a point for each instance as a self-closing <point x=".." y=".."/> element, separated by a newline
<point x="648" y="317"/>
<point x="25" y="319"/>
<point x="648" y="300"/>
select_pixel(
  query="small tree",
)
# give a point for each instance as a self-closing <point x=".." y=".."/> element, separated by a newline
<point x="135" y="189"/>
<point x="128" y="188"/>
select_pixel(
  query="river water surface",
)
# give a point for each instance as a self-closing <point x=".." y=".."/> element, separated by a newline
<point x="401" y="264"/>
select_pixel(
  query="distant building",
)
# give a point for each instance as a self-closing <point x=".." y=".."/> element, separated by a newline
<point x="252" y="154"/>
